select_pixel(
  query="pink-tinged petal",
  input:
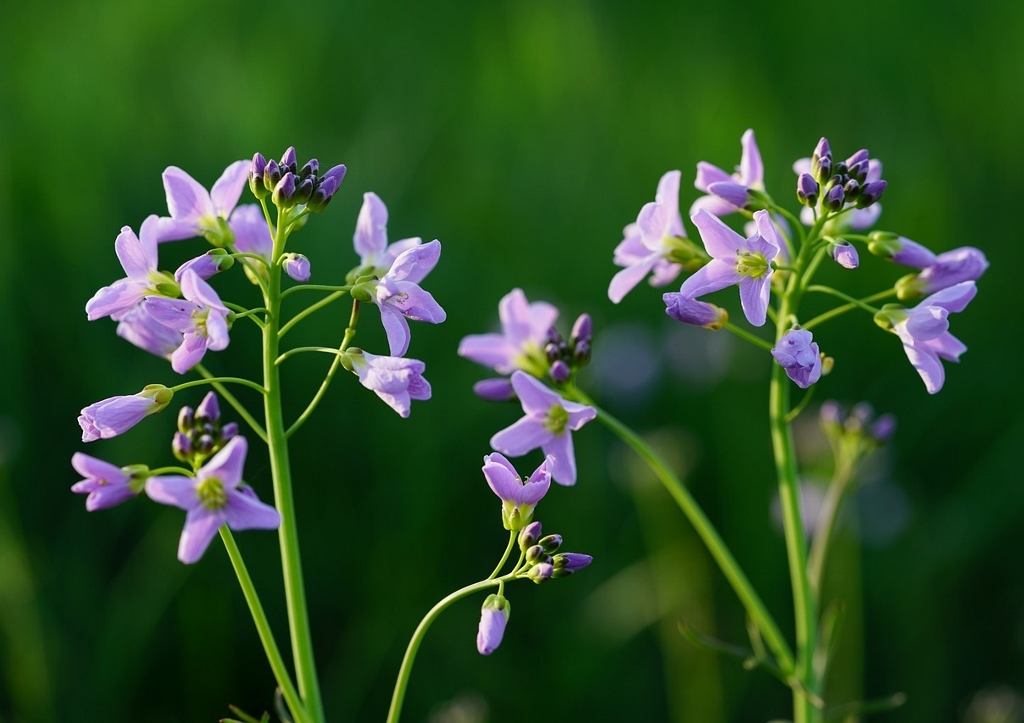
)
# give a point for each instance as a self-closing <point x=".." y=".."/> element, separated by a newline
<point x="415" y="263"/>
<point x="708" y="174"/>
<point x="491" y="350"/>
<point x="246" y="512"/>
<point x="861" y="218"/>
<point x="104" y="497"/>
<point x="396" y="328"/>
<point x="227" y="464"/>
<point x="754" y="294"/>
<point x="228" y="188"/>
<point x="186" y="199"/>
<point x="716" y="275"/>
<point x="131" y="255"/>
<point x="396" y="249"/>
<point x="928" y="367"/>
<point x="664" y="273"/>
<point x="751" y="168"/>
<point x="719" y="240"/>
<point x="190" y="353"/>
<point x="562" y="459"/>
<point x="170" y="229"/>
<point x="148" y="240"/>
<point x="631" y="249"/>
<point x="371" y="237"/>
<point x="624" y="281"/>
<point x="201" y="526"/>
<point x="533" y="395"/>
<point x="174" y="490"/>
<point x="115" y="300"/>
<point x="526" y="434"/>
<point x="802" y="165"/>
<point x="524" y="322"/>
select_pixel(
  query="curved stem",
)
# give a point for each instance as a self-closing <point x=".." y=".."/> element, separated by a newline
<point x="309" y="310"/>
<point x="854" y="304"/>
<point x="218" y="380"/>
<point x="708" y="534"/>
<point x="746" y="335"/>
<point x="277" y="663"/>
<point x="504" y="558"/>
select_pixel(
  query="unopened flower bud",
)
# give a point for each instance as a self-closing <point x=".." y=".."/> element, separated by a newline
<point x="304" y="191"/>
<point x="284" y="191"/>
<point x="798" y="354"/>
<point x="550" y="543"/>
<point x="870" y="193"/>
<point x="889" y="315"/>
<point x="807" y="189"/>
<point x="582" y="330"/>
<point x="581" y="353"/>
<point x="296" y="266"/>
<point x="271" y="175"/>
<point x="692" y="311"/>
<point x="208" y="410"/>
<point x="529" y="536"/>
<point x="494" y="616"/>
<point x="851" y="188"/>
<point x="821" y="161"/>
<point x="535" y="554"/>
<point x="182" y="447"/>
<point x="859" y="171"/>
<point x="311" y="168"/>
<point x="860" y="156"/>
<point x="288" y="161"/>
<point x="229" y="431"/>
<point x="325" y="189"/>
<point x="845" y="254"/>
<point x="560" y="372"/>
<point x="835" y="198"/>
<point x="495" y="390"/>
<point x="365" y="291"/>
<point x="205" y="444"/>
<point x="186" y="419"/>
<point x="567" y="563"/>
<point x="541" y="572"/>
<point x="256" y="170"/>
<point x="830" y="416"/>
<point x="882" y="429"/>
<point x="735" y="193"/>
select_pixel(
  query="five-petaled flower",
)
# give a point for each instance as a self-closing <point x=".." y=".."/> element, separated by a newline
<point x="727" y="192"/>
<point x="198" y="212"/>
<point x="517" y="498"/>
<point x="736" y="260"/>
<point x="105" y="484"/>
<point x="399" y="296"/>
<point x="520" y="345"/>
<point x="201" y="318"/>
<point x="396" y="380"/>
<point x="214" y="497"/>
<point x="548" y="422"/>
<point x="649" y="243"/>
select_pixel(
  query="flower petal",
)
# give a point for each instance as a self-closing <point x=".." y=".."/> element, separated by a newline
<point x="526" y="434"/>
<point x="228" y="188"/>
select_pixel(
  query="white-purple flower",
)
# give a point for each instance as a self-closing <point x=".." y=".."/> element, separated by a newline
<point x="901" y="250"/>
<point x="736" y="260"/>
<point x="845" y="254"/>
<point x="252" y="235"/>
<point x="924" y="331"/>
<point x="648" y="243"/>
<point x="196" y="211"/>
<point x="518" y="498"/>
<point x="138" y="257"/>
<point x="548" y="422"/>
<point x="145" y="332"/>
<point x="105" y="484"/>
<point x="396" y="380"/>
<point x="691" y="311"/>
<point x="798" y="354"/>
<point x="201" y="318"/>
<point x="216" y="496"/>
<point x="948" y="269"/>
<point x="116" y="415"/>
<point x="524" y="330"/>
<point x="731" y="195"/>
<point x="371" y="237"/>
<point x="400" y="298"/>
<point x="494" y="616"/>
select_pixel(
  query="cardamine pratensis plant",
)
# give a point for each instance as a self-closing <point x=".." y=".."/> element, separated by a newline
<point x="180" y="317"/>
<point x="773" y="262"/>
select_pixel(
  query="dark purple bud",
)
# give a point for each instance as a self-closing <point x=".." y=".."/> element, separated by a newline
<point x="835" y="198"/>
<point x="271" y="175"/>
<point x="186" y="419"/>
<point x="529" y="536"/>
<point x="205" y="444"/>
<point x="535" y="554"/>
<point x="807" y="189"/>
<point x="821" y="161"/>
<point x="860" y="156"/>
<point x="540" y="573"/>
<point x="552" y="336"/>
<point x="560" y="372"/>
<point x="284" y="191"/>
<point x="551" y="543"/>
<point x="311" y="168"/>
<point x="870" y="193"/>
<point x="841" y="169"/>
<point x="581" y="353"/>
<point x="229" y="431"/>
<point x="552" y="350"/>
<point x="582" y="330"/>
<point x="852" y="189"/>
<point x="569" y="562"/>
<point x="256" y="170"/>
<point x="495" y="390"/>
<point x="182" y="447"/>
<point x="304" y="191"/>
<point x="859" y="171"/>
<point x="883" y="428"/>
<point x="208" y="409"/>
<point x="325" y="189"/>
<point x="288" y="161"/>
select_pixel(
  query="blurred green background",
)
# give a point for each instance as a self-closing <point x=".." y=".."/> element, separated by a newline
<point x="524" y="135"/>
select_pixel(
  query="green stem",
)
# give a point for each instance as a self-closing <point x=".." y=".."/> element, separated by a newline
<point x="277" y="663"/>
<point x="277" y="444"/>
<point x="744" y="334"/>
<point x="504" y="558"/>
<point x="417" y="637"/>
<point x="708" y="534"/>
<point x="854" y="304"/>
<point x="827" y="516"/>
<point x="310" y="309"/>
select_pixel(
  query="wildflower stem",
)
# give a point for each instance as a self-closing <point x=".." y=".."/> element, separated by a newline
<point x="277" y="663"/>
<point x="746" y="335"/>
<point x="310" y="309"/>
<point x="216" y="383"/>
<point x="707" y="532"/>
<point x="841" y="478"/>
<point x="504" y="558"/>
<point x="417" y="637"/>
<point x="854" y="304"/>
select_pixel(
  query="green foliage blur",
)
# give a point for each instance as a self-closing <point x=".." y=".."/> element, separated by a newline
<point x="524" y="135"/>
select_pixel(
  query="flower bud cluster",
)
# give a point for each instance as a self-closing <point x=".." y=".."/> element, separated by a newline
<point x="859" y="423"/>
<point x="542" y="559"/>
<point x="853" y="182"/>
<point x="290" y="186"/>
<point x="566" y="357"/>
<point x="200" y="432"/>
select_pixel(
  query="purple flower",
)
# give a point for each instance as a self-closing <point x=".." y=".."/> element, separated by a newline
<point x="138" y="257"/>
<point x="567" y="563"/>
<point x="845" y="254"/>
<point x="648" y="243"/>
<point x="948" y="269"/>
<point x="520" y="345"/>
<point x="115" y="415"/>
<point x="145" y="332"/>
<point x="548" y="421"/>
<point x="213" y="498"/>
<point x="798" y="354"/>
<point x="371" y="237"/>
<point x="105" y="484"/>
<point x="395" y="380"/>
<point x="296" y="266"/>
<point x="691" y="311"/>
<point x="854" y="219"/>
<point x="517" y="498"/>
<point x="196" y="211"/>
<point x="924" y="331"/>
<point x="200" y="317"/>
<point x="252" y="235"/>
<point x="493" y="619"/>
<point x="736" y="260"/>
<point x="399" y="296"/>
<point x="901" y="250"/>
<point x="731" y="195"/>
<point x="495" y="390"/>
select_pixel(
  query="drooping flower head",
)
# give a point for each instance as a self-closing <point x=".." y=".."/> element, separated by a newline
<point x="198" y="212"/>
<point x="948" y="269"/>
<point x="216" y="496"/>
<point x="654" y="244"/>
<point x="117" y="415"/>
<point x="396" y="380"/>
<point x="105" y="484"/>
<point x="728" y="192"/>
<point x="798" y="354"/>
<point x="493" y="618"/>
<point x="200" y="317"/>
<point x="518" y="498"/>
<point x="736" y="260"/>
<point x="520" y="345"/>
<point x="548" y="422"/>
<point x="924" y="331"/>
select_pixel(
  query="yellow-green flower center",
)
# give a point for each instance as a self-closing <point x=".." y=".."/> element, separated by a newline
<point x="211" y="494"/>
<point x="556" y="419"/>
<point x="751" y="264"/>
